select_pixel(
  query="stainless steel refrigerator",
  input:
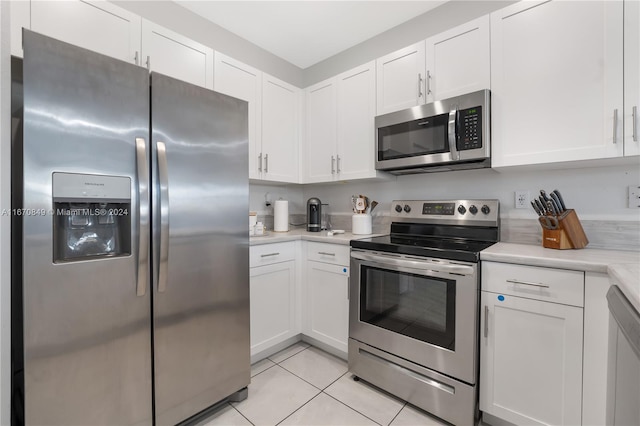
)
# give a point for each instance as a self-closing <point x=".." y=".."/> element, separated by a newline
<point x="131" y="269"/>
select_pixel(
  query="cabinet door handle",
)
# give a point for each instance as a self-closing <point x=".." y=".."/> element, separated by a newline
<point x="428" y="82"/>
<point x="135" y="58"/>
<point x="338" y="163"/>
<point x="324" y="253"/>
<point x="419" y="85"/>
<point x="260" y="162"/>
<point x="528" y="283"/>
<point x="486" y="321"/>
<point x="269" y="254"/>
<point x="266" y="163"/>
<point x="333" y="165"/>
<point x="634" y="122"/>
<point x="615" y="125"/>
<point x="149" y="62"/>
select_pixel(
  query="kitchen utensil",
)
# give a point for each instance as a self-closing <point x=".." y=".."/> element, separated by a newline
<point x="360" y="205"/>
<point x="354" y="199"/>
<point x="562" y="204"/>
<point x="373" y="206"/>
<point x="556" y="202"/>
<point x="540" y="206"/>
<point x="543" y="194"/>
<point x="535" y="208"/>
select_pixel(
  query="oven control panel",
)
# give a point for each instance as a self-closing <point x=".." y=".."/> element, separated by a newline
<point x="477" y="211"/>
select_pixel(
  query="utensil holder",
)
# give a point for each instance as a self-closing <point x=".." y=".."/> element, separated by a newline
<point x="569" y="234"/>
<point x="361" y="224"/>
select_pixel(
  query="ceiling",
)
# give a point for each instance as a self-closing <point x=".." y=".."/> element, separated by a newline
<point x="307" y="32"/>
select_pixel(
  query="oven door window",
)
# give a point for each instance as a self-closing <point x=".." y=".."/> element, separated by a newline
<point x="414" y="138"/>
<point x="417" y="306"/>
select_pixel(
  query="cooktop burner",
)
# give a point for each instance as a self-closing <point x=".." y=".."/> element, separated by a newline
<point x="452" y="229"/>
<point x="442" y="248"/>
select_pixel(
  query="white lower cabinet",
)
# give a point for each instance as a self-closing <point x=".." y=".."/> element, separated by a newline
<point x="272" y="297"/>
<point x="327" y="313"/>
<point x="326" y="295"/>
<point x="530" y="346"/>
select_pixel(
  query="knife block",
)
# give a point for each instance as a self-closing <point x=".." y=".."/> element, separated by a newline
<point x="569" y="234"/>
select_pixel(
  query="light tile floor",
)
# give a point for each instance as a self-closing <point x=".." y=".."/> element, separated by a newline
<point x="303" y="385"/>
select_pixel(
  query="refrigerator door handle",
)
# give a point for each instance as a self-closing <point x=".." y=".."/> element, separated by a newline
<point x="143" y="217"/>
<point x="163" y="180"/>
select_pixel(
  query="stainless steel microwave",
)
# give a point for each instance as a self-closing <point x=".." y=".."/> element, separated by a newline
<point x="449" y="134"/>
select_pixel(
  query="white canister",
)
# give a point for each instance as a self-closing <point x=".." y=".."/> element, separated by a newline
<point x="253" y="219"/>
<point x="361" y="224"/>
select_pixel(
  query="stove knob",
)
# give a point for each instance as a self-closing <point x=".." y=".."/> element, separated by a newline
<point x="398" y="208"/>
<point x="461" y="209"/>
<point x="407" y="208"/>
<point x="473" y="209"/>
<point x="485" y="209"/>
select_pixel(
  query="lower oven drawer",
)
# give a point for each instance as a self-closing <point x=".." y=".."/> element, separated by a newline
<point x="440" y="395"/>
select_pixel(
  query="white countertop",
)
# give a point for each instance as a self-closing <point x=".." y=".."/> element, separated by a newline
<point x="623" y="267"/>
<point x="303" y="234"/>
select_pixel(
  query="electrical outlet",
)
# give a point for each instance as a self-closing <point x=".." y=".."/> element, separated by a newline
<point x="634" y="197"/>
<point x="522" y="200"/>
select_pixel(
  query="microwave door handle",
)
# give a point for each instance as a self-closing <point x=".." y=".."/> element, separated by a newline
<point x="453" y="117"/>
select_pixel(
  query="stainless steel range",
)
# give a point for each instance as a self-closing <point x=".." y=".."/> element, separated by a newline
<point x="413" y="323"/>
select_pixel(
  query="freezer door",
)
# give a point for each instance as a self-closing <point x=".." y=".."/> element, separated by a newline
<point x="87" y="328"/>
<point x="200" y="202"/>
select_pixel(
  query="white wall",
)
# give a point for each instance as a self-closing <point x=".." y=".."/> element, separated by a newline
<point x="183" y="21"/>
<point x="291" y="193"/>
<point x="5" y="220"/>
<point x="435" y="21"/>
<point x="596" y="193"/>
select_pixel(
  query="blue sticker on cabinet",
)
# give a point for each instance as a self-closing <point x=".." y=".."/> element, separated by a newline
<point x="344" y="269"/>
<point x="501" y="298"/>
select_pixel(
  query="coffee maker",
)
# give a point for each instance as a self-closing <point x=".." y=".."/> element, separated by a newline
<point x="314" y="214"/>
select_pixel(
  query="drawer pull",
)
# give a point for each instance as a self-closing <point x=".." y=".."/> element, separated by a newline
<point x="269" y="255"/>
<point x="528" y="283"/>
<point x="324" y="253"/>
<point x="486" y="321"/>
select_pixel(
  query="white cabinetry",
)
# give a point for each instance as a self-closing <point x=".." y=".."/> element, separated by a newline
<point x="400" y="78"/>
<point x="272" y="295"/>
<point x="458" y="61"/>
<point x="557" y="86"/>
<point x="274" y="114"/>
<point x="448" y="64"/>
<point x="320" y="130"/>
<point x="280" y="134"/>
<point x="531" y="344"/>
<point x="241" y="81"/>
<point x="174" y="55"/>
<point x="326" y="290"/>
<point x="631" y="77"/>
<point x="20" y="16"/>
<point x="339" y="139"/>
<point x="95" y="25"/>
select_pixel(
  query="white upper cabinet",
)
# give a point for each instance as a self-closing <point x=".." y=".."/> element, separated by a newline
<point x="95" y="25"/>
<point x="320" y="130"/>
<point x="356" y="109"/>
<point x="400" y="78"/>
<point x="458" y="61"/>
<point x="20" y="17"/>
<point x="280" y="130"/>
<point x="174" y="55"/>
<point x="241" y="81"/>
<point x="631" y="77"/>
<point x="557" y="86"/>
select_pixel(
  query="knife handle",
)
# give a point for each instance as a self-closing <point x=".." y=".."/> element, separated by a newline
<point x="560" y="199"/>
<point x="535" y="208"/>
<point x="556" y="202"/>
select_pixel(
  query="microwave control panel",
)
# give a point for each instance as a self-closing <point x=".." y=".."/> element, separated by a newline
<point x="470" y="129"/>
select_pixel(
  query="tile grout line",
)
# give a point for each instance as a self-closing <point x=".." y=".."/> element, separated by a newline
<point x="240" y="412"/>
<point x="297" y="409"/>
<point x="398" y="413"/>
<point x="339" y="377"/>
<point x="304" y="380"/>
<point x="351" y="408"/>
<point x="268" y="368"/>
<point x="292" y="355"/>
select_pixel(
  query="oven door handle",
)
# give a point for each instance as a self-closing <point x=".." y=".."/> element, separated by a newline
<point x="415" y="264"/>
